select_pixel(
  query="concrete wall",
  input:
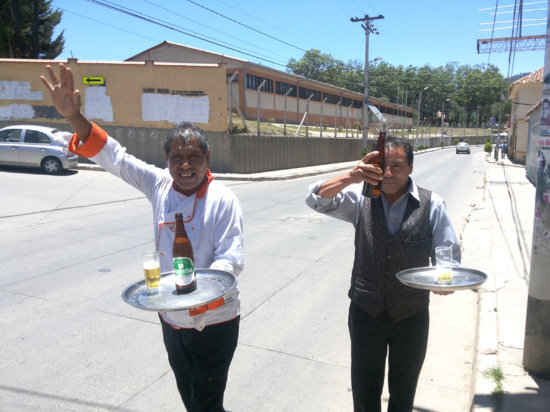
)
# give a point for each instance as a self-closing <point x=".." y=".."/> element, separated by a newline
<point x="524" y="97"/>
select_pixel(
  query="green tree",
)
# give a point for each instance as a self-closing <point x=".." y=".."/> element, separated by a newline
<point x="325" y="68"/>
<point x="471" y="91"/>
<point x="27" y="29"/>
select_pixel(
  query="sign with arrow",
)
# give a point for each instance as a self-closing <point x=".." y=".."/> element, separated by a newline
<point x="94" y="81"/>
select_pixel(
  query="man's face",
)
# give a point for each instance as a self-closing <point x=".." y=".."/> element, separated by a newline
<point x="396" y="174"/>
<point x="187" y="165"/>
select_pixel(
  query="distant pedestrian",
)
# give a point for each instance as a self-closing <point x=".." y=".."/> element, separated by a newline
<point x="504" y="149"/>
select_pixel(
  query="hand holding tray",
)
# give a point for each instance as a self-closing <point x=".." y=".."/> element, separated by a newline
<point x="426" y="278"/>
<point x="211" y="285"/>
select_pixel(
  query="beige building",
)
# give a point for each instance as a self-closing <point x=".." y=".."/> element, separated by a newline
<point x="128" y="94"/>
<point x="524" y="94"/>
<point x="298" y="94"/>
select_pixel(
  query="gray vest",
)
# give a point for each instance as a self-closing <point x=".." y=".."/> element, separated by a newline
<point x="380" y="255"/>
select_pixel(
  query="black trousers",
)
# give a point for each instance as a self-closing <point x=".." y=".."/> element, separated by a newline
<point x="200" y="361"/>
<point x="371" y="338"/>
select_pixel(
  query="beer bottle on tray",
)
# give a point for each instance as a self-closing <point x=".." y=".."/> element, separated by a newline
<point x="182" y="257"/>
<point x="369" y="190"/>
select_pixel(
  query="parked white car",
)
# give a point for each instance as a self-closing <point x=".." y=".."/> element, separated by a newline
<point x="36" y="146"/>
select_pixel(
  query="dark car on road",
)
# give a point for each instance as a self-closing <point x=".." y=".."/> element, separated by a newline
<point x="36" y="146"/>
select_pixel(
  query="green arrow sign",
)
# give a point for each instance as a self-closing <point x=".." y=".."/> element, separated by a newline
<point x="98" y="81"/>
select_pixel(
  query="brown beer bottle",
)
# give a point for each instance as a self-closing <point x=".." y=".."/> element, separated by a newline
<point x="373" y="191"/>
<point x="182" y="257"/>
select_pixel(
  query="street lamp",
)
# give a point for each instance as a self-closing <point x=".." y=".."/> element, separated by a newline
<point x="418" y="113"/>
<point x="442" y="118"/>
<point x="365" y="108"/>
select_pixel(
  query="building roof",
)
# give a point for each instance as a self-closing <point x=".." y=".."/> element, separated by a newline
<point x="534" y="77"/>
<point x="257" y="66"/>
<point x="531" y="79"/>
<point x="534" y="108"/>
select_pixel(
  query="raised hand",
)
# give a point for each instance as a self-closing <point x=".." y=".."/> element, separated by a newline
<point x="65" y="98"/>
<point x="363" y="171"/>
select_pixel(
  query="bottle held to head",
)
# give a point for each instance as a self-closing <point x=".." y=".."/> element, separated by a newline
<point x="183" y="260"/>
<point x="370" y="190"/>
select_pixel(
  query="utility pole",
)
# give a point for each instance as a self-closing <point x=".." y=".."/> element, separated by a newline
<point x="369" y="28"/>
<point x="418" y="112"/>
<point x="536" y="350"/>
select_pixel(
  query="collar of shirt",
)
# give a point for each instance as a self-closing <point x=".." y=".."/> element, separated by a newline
<point x="394" y="213"/>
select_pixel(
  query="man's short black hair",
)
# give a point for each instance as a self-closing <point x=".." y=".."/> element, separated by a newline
<point x="401" y="142"/>
<point x="185" y="131"/>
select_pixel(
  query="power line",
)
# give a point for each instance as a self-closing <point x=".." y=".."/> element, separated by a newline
<point x="244" y="25"/>
<point x="208" y="27"/>
<point x="266" y="22"/>
<point x="170" y="26"/>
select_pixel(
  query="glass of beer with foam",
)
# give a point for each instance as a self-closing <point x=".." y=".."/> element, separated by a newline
<point x="151" y="267"/>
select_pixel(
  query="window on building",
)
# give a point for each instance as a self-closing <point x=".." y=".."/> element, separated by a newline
<point x="331" y="98"/>
<point x="282" y="88"/>
<point x="357" y="104"/>
<point x="235" y="79"/>
<point x="252" y="82"/>
<point x="305" y="93"/>
<point x="346" y="101"/>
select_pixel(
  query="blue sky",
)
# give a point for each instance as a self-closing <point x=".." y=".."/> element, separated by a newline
<point x="412" y="32"/>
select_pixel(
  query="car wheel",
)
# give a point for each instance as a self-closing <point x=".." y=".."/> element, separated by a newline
<point x="51" y="165"/>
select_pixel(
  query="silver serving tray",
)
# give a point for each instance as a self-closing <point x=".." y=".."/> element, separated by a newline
<point x="426" y="278"/>
<point x="211" y="285"/>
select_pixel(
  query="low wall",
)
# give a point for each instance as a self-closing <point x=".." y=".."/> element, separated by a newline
<point x="252" y="153"/>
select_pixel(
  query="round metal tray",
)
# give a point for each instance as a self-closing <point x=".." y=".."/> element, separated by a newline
<point x="426" y="278"/>
<point x="211" y="285"/>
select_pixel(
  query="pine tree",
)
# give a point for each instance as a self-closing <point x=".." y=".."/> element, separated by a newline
<point x="27" y="28"/>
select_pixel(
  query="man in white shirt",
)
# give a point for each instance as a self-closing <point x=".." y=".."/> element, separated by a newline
<point x="200" y="342"/>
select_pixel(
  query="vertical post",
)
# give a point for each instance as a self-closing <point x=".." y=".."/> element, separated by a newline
<point x="307" y="114"/>
<point x="368" y="27"/>
<point x="321" y="120"/>
<point x="230" y="82"/>
<point x="335" y="118"/>
<point x="347" y="122"/>
<point x="365" y="105"/>
<point x="258" y="109"/>
<point x="442" y="120"/>
<point x="418" y="112"/>
<point x="284" y="127"/>
<point x="536" y="350"/>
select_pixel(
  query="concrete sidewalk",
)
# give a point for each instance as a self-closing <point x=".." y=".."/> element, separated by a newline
<point x="498" y="237"/>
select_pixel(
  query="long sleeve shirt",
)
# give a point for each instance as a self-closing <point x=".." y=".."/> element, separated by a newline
<point x="347" y="206"/>
<point x="212" y="216"/>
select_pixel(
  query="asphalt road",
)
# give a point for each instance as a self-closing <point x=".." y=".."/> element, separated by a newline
<point x="70" y="244"/>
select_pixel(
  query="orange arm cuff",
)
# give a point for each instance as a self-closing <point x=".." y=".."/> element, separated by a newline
<point x="93" y="144"/>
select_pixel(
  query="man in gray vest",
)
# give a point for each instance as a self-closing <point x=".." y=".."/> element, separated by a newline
<point x="397" y="231"/>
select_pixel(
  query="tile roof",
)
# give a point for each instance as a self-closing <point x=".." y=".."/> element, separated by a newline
<point x="534" y="77"/>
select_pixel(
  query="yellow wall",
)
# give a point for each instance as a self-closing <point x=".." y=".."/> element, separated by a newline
<point x="134" y="93"/>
